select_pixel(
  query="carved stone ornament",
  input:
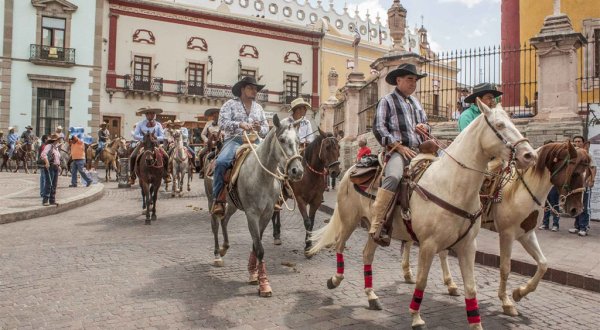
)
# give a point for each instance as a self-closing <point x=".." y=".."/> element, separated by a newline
<point x="67" y="7"/>
<point x="292" y="57"/>
<point x="197" y="43"/>
<point x="248" y="51"/>
<point x="143" y="35"/>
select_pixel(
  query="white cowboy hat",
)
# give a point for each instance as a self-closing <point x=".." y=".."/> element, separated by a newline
<point x="177" y="123"/>
<point x="59" y="127"/>
<point x="148" y="109"/>
<point x="11" y="128"/>
<point x="298" y="102"/>
<point x="103" y="124"/>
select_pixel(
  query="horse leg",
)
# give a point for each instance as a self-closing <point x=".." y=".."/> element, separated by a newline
<point x="311" y="223"/>
<point x="174" y="182"/>
<point x="405" y="251"/>
<point x="506" y="242"/>
<point x="306" y="221"/>
<point x="368" y="255"/>
<point x="190" y="174"/>
<point x="229" y="211"/>
<point x="252" y="268"/>
<point x="154" y="190"/>
<point x="276" y="219"/>
<point x="147" y="201"/>
<point x="466" y="260"/>
<point x="530" y="243"/>
<point x="447" y="275"/>
<point x="214" y="224"/>
<point x="426" y="253"/>
<point x="345" y="232"/>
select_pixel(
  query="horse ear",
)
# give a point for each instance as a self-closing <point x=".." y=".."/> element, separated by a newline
<point x="484" y="108"/>
<point x="572" y="150"/>
<point x="276" y="121"/>
<point x="323" y="134"/>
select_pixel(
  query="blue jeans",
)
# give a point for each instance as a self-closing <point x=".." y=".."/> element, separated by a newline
<point x="552" y="200"/>
<point x="224" y="161"/>
<point x="77" y="166"/>
<point x="43" y="174"/>
<point x="50" y="186"/>
<point x="582" y="221"/>
<point x="11" y="150"/>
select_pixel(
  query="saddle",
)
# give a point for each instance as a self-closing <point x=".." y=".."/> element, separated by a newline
<point x="490" y="193"/>
<point x="231" y="174"/>
<point x="158" y="156"/>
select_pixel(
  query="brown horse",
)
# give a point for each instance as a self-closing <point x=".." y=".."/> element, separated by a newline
<point x="23" y="153"/>
<point x="150" y="170"/>
<point x="109" y="157"/>
<point x="212" y="148"/>
<point x="319" y="159"/>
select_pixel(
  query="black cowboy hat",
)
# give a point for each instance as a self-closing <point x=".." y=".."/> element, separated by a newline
<point x="401" y="71"/>
<point x="482" y="89"/>
<point x="211" y="111"/>
<point x="237" y="88"/>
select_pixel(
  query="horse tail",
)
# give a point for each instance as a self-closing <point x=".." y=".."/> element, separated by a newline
<point x="327" y="235"/>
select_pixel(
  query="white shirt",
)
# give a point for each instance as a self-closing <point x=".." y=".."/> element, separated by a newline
<point x="304" y="130"/>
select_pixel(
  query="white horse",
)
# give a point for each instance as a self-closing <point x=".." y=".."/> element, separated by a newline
<point x="516" y="217"/>
<point x="179" y="165"/>
<point x="455" y="178"/>
<point x="258" y="188"/>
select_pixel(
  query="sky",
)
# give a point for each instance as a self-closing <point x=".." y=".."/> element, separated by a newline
<point x="451" y="24"/>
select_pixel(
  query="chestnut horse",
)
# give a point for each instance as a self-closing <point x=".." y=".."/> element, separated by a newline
<point x="150" y="169"/>
<point x="108" y="157"/>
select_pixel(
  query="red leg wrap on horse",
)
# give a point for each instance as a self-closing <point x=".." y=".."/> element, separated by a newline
<point x="368" y="276"/>
<point x="415" y="304"/>
<point x="340" y="263"/>
<point x="472" y="311"/>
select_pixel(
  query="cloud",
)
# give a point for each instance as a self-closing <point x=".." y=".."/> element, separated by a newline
<point x="469" y="3"/>
<point x="476" y="33"/>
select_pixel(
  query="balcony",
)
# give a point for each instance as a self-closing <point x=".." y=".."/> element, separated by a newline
<point x="286" y="98"/>
<point x="142" y="85"/>
<point x="54" y="56"/>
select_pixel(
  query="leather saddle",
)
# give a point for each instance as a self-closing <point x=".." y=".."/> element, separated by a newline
<point x="232" y="173"/>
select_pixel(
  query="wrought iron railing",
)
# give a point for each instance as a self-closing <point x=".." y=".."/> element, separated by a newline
<point x="287" y="98"/>
<point x="143" y="83"/>
<point x="50" y="53"/>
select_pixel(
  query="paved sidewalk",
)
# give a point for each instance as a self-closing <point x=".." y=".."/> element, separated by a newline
<point x="20" y="197"/>
<point x="572" y="260"/>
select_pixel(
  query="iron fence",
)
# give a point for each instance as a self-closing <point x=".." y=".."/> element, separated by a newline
<point x="368" y="97"/>
<point x="588" y="82"/>
<point x="50" y="53"/>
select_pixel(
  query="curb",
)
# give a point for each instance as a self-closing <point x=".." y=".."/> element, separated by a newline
<point x="524" y="268"/>
<point x="91" y="195"/>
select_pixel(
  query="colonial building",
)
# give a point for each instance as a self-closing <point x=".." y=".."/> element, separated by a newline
<point x="51" y="58"/>
<point x="185" y="59"/>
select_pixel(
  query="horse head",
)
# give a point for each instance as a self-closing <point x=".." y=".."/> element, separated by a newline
<point x="215" y="140"/>
<point x="500" y="138"/>
<point x="149" y="142"/>
<point x="329" y="151"/>
<point x="570" y="169"/>
<point x="287" y="139"/>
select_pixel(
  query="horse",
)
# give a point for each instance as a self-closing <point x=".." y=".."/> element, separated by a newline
<point x="451" y="224"/>
<point x="23" y="153"/>
<point x="4" y="157"/>
<point x="522" y="207"/>
<point x="320" y="157"/>
<point x="108" y="157"/>
<point x="65" y="158"/>
<point x="150" y="171"/>
<point x="179" y="165"/>
<point x="212" y="147"/>
<point x="257" y="189"/>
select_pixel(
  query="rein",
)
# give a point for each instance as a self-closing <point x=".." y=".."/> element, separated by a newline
<point x="281" y="176"/>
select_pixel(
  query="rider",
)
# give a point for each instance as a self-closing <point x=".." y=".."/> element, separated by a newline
<point x="398" y="120"/>
<point x="211" y="127"/>
<point x="103" y="136"/>
<point x="148" y="125"/>
<point x="237" y="115"/>
<point x="60" y="134"/>
<point x="12" y="141"/>
<point x="304" y="129"/>
<point x="487" y="93"/>
<point x="178" y="124"/>
<point x="27" y="136"/>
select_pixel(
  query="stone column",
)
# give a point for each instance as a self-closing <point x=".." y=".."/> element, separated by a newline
<point x="557" y="45"/>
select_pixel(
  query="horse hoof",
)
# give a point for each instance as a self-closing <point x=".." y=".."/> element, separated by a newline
<point x="148" y="222"/>
<point x="172" y="194"/>
<point x="517" y="295"/>
<point x="453" y="292"/>
<point x="307" y="255"/>
<point x="330" y="284"/>
<point x="375" y="305"/>
<point x="277" y="241"/>
<point x="510" y="310"/>
<point x="265" y="294"/>
<point x="222" y="252"/>
<point x="218" y="263"/>
<point x="253" y="280"/>
<point x="154" y="217"/>
<point x="409" y="280"/>
<point x="419" y="327"/>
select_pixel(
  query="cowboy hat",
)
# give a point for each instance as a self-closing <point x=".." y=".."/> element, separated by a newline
<point x="211" y="111"/>
<point x="28" y="127"/>
<point x="103" y="124"/>
<point x="53" y="137"/>
<point x="148" y="109"/>
<point x="168" y="123"/>
<point x="237" y="88"/>
<point x="59" y="127"/>
<point x="482" y="89"/>
<point x="177" y="123"/>
<point x="11" y="128"/>
<point x="401" y="71"/>
<point x="299" y="102"/>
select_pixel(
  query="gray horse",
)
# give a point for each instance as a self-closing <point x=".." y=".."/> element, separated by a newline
<point x="258" y="188"/>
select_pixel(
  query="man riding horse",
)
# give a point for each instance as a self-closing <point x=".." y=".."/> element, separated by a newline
<point x="147" y="125"/>
<point x="178" y="125"/>
<point x="487" y="93"/>
<point x="103" y="136"/>
<point x="12" y="141"/>
<point x="211" y="127"/>
<point x="298" y="109"/>
<point x="237" y="115"/>
<point x="27" y="136"/>
<point x="61" y="135"/>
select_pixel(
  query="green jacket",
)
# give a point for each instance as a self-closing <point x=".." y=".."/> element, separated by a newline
<point x="468" y="116"/>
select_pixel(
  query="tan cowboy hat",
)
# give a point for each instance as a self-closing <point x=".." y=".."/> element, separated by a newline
<point x="145" y="110"/>
<point x="169" y="123"/>
<point x="177" y="123"/>
<point x="237" y="88"/>
<point x="103" y="124"/>
<point x="401" y="71"/>
<point x="298" y="102"/>
<point x="59" y="127"/>
<point x="1" y="132"/>
<point x="53" y="137"/>
<point x="11" y="128"/>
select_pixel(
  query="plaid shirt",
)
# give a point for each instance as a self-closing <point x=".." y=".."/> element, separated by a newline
<point x="396" y="119"/>
<point x="233" y="113"/>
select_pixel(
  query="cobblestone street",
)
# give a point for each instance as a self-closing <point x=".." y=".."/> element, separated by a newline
<point x="99" y="266"/>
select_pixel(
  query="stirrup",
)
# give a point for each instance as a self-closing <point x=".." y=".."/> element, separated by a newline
<point x="381" y="237"/>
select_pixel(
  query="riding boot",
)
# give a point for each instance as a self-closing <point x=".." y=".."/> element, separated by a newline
<point x="218" y="208"/>
<point x="132" y="169"/>
<point x="380" y="207"/>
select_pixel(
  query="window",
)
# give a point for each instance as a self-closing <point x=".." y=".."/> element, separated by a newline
<point x="292" y="88"/>
<point x="50" y="110"/>
<point x="597" y="53"/>
<point x="196" y="79"/>
<point x="368" y="97"/>
<point x="53" y="32"/>
<point x="248" y="73"/>
<point x="141" y="72"/>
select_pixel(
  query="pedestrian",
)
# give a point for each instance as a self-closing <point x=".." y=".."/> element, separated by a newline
<point x="399" y="122"/>
<point x="77" y="161"/>
<point x="487" y="93"/>
<point x="582" y="221"/>
<point x="51" y="157"/>
<point x="242" y="113"/>
<point x="363" y="150"/>
<point x="41" y="165"/>
<point x="552" y="207"/>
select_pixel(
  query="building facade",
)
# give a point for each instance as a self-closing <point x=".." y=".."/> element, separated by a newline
<point x="51" y="58"/>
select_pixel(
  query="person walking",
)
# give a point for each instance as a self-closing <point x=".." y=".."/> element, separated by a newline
<point x="78" y="161"/>
<point x="43" y="172"/>
<point x="51" y="157"/>
<point x="581" y="225"/>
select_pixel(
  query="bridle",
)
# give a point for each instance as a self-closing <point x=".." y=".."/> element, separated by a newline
<point x="326" y="168"/>
<point x="288" y="160"/>
<point x="565" y="190"/>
